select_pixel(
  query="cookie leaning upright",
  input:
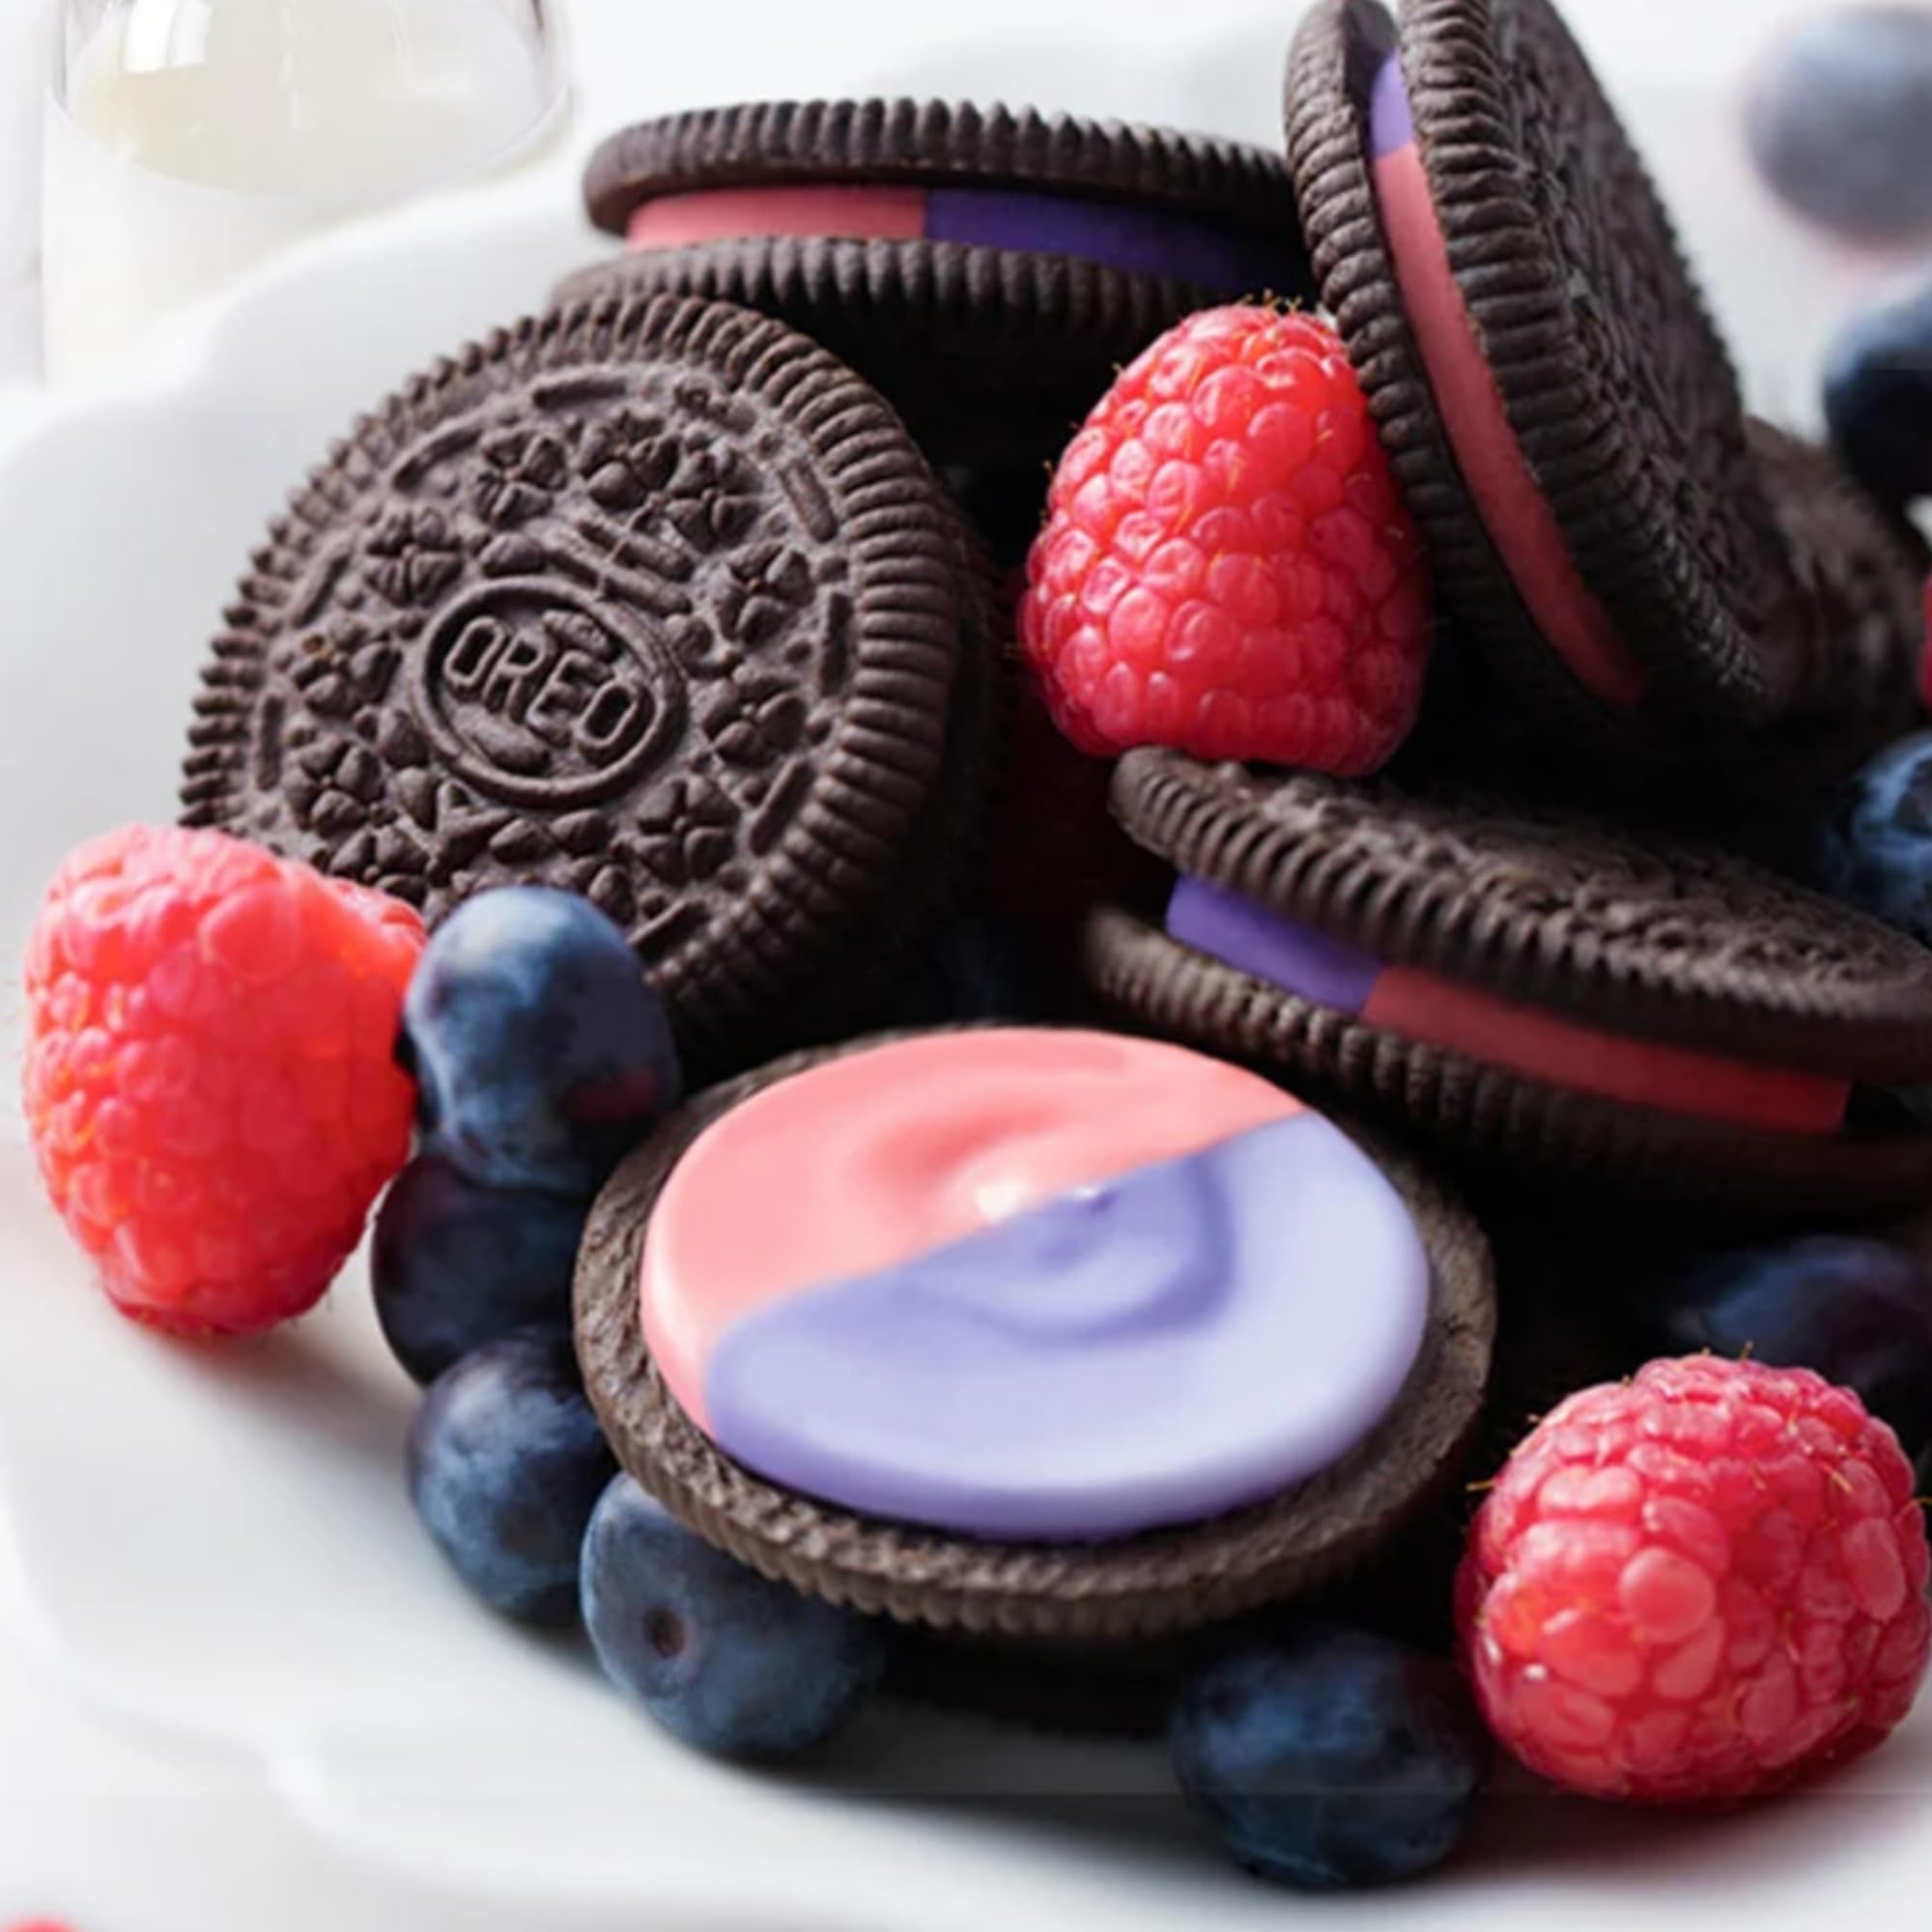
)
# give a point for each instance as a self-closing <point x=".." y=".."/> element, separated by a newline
<point x="650" y="601"/>
<point x="1558" y="995"/>
<point x="988" y="269"/>
<point x="1561" y="411"/>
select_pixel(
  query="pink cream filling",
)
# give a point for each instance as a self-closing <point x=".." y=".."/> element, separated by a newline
<point x="724" y="214"/>
<point x="865" y="1162"/>
<point x="1512" y="508"/>
<point x="1529" y="1040"/>
<point x="1561" y="1053"/>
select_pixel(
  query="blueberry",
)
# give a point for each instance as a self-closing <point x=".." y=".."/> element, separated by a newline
<point x="506" y="1462"/>
<point x="541" y="1054"/>
<point x="733" y="1665"/>
<point x="1874" y="849"/>
<point x="456" y="1266"/>
<point x="1332" y="1759"/>
<point x="1840" y="121"/>
<point x="1878" y="395"/>
<point x="1857" y="1310"/>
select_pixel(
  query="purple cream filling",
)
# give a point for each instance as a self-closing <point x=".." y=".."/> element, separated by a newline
<point x="1391" y="113"/>
<point x="1184" y="1340"/>
<point x="1117" y="235"/>
<point x="1248" y="937"/>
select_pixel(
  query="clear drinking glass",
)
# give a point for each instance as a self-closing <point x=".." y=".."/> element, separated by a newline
<point x="186" y="140"/>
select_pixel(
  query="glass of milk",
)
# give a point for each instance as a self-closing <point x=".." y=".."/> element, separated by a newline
<point x="186" y="140"/>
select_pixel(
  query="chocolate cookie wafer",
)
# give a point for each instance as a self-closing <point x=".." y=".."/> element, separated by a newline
<point x="1864" y="567"/>
<point x="1563" y="417"/>
<point x="652" y="601"/>
<point x="987" y="270"/>
<point x="1123" y="1401"/>
<point x="1561" y="996"/>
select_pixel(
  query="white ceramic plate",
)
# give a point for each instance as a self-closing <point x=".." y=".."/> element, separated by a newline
<point x="216" y="1543"/>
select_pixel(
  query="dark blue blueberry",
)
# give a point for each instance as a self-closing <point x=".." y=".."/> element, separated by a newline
<point x="1333" y="1759"/>
<point x="506" y="1462"/>
<point x="733" y="1665"/>
<point x="541" y="1054"/>
<point x="1840" y="122"/>
<point x="1857" y="1310"/>
<point x="1878" y="394"/>
<point x="456" y="1266"/>
<point x="1874" y="849"/>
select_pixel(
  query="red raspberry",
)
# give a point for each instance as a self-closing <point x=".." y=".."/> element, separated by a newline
<point x="1225" y="567"/>
<point x="1698" y="1586"/>
<point x="209" y="1075"/>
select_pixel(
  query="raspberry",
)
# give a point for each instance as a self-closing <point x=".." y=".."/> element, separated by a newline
<point x="1698" y="1586"/>
<point x="209" y="1075"/>
<point x="1225" y="567"/>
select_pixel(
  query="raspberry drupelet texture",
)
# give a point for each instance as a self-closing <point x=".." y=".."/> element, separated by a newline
<point x="1698" y="1586"/>
<point x="210" y="1077"/>
<point x="1225" y="567"/>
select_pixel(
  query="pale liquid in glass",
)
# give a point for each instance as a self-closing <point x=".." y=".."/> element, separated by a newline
<point x="198" y="135"/>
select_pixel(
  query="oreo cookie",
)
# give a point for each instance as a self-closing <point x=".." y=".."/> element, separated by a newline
<point x="1034" y="1335"/>
<point x="650" y="601"/>
<point x="988" y="269"/>
<point x="1556" y="995"/>
<point x="1865" y="566"/>
<point x="1562" y="415"/>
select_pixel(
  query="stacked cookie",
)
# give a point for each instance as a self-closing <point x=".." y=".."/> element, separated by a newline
<point x="661" y="603"/>
<point x="1553" y="941"/>
<point x="684" y="596"/>
<point x="989" y="270"/>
